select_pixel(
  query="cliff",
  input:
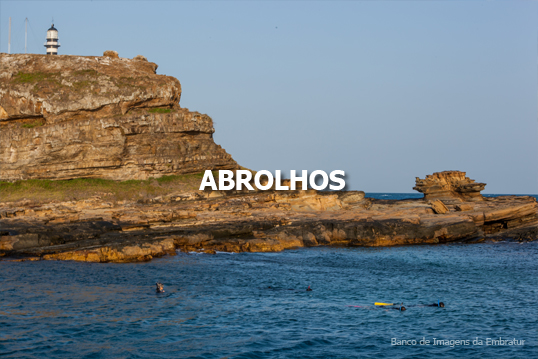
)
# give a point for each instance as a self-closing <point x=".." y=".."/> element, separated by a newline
<point x="64" y="117"/>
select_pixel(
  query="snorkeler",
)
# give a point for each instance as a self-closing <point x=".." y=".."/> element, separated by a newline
<point x="308" y="289"/>
<point x="438" y="304"/>
<point x="160" y="288"/>
<point x="371" y="307"/>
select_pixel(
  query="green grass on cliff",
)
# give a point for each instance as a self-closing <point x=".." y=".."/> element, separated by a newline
<point x="33" y="124"/>
<point x="32" y="77"/>
<point x="41" y="191"/>
<point x="80" y="79"/>
<point x="159" y="110"/>
<point x="39" y="79"/>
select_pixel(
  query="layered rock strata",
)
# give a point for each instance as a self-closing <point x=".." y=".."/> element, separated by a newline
<point x="450" y="187"/>
<point x="97" y="231"/>
<point x="65" y="117"/>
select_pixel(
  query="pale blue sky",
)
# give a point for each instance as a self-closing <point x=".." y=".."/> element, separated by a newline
<point x="384" y="90"/>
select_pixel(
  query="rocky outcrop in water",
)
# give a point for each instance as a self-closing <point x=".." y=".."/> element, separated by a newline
<point x="450" y="187"/>
<point x="257" y="221"/>
<point x="67" y="117"/>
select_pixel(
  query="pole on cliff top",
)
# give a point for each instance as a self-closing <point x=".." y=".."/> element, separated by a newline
<point x="25" y="34"/>
<point x="9" y="38"/>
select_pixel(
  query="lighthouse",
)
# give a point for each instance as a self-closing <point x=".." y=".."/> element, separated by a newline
<point x="52" y="43"/>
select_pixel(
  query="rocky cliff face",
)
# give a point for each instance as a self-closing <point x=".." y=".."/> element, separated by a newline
<point x="65" y="117"/>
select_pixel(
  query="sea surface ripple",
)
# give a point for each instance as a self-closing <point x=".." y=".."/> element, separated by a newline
<point x="220" y="306"/>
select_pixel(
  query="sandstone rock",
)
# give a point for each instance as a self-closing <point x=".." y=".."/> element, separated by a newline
<point x="111" y="53"/>
<point x="309" y="239"/>
<point x="41" y="88"/>
<point x="463" y="207"/>
<point x="140" y="58"/>
<point x="438" y="207"/>
<point x="449" y="187"/>
<point x="351" y="196"/>
<point x="132" y="231"/>
<point x="7" y="242"/>
<point x="21" y="241"/>
<point x="264" y="245"/>
<point x="126" y="254"/>
<point x="72" y="116"/>
<point x="27" y="259"/>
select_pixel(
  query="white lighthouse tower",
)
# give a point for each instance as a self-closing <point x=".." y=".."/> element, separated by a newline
<point x="52" y="43"/>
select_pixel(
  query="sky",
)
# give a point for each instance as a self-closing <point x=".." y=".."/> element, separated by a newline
<point x="384" y="90"/>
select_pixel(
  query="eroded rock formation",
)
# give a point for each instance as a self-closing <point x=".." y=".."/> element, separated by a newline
<point x="73" y="116"/>
<point x="449" y="187"/>
<point x="260" y="221"/>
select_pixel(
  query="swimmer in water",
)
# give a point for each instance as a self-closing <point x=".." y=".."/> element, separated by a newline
<point x="160" y="288"/>
<point x="308" y="289"/>
<point x="438" y="304"/>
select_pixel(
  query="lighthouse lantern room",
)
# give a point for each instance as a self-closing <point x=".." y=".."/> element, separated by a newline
<point x="52" y="43"/>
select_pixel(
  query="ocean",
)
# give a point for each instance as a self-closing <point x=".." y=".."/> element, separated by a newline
<point x="221" y="306"/>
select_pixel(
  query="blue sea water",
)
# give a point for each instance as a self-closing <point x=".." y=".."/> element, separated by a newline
<point x="420" y="195"/>
<point x="220" y="306"/>
<point x="393" y="195"/>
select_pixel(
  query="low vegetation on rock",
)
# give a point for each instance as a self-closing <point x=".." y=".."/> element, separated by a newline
<point x="160" y="110"/>
<point x="38" y="191"/>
